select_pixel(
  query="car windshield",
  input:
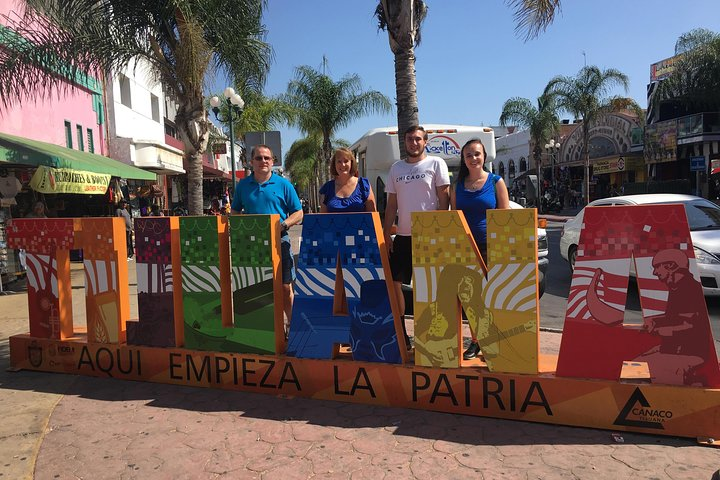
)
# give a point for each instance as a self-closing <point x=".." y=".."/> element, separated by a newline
<point x="702" y="215"/>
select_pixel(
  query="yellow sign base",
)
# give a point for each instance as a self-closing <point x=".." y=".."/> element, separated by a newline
<point x="629" y="405"/>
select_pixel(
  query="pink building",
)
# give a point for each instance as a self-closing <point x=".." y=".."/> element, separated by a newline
<point x="73" y="118"/>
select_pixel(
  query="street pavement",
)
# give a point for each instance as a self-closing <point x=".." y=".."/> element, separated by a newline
<point x="68" y="427"/>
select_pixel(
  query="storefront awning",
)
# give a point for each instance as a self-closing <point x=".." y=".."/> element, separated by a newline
<point x="210" y="173"/>
<point x="23" y="151"/>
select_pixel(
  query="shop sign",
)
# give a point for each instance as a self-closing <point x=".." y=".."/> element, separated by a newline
<point x="661" y="142"/>
<point x="617" y="164"/>
<point x="67" y="180"/>
<point x="663" y="68"/>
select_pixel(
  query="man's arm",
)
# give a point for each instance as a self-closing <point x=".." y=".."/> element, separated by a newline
<point x="443" y="194"/>
<point x="294" y="218"/>
<point x="390" y="214"/>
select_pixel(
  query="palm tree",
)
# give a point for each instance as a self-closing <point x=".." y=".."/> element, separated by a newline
<point x="182" y="41"/>
<point x="542" y="121"/>
<point x="694" y="84"/>
<point x="304" y="160"/>
<point x="322" y="106"/>
<point x="587" y="96"/>
<point x="402" y="19"/>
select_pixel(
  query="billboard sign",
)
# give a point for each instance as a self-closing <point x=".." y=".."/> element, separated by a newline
<point x="271" y="139"/>
<point x="663" y="68"/>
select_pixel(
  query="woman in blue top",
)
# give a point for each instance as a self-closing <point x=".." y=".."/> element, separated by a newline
<point x="346" y="192"/>
<point x="475" y="191"/>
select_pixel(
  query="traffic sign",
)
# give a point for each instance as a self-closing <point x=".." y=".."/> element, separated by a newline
<point x="697" y="164"/>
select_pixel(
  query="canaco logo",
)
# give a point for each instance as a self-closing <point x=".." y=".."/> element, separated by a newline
<point x="638" y="412"/>
<point x="442" y="145"/>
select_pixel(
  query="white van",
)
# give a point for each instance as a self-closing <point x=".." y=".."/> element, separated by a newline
<point x="378" y="149"/>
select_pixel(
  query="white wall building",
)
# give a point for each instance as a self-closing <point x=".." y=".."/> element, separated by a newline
<point x="136" y="113"/>
<point x="136" y="107"/>
<point x="512" y="156"/>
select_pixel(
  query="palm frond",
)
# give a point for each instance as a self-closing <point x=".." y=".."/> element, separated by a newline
<point x="532" y="17"/>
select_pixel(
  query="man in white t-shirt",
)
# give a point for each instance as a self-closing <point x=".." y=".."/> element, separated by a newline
<point x="418" y="184"/>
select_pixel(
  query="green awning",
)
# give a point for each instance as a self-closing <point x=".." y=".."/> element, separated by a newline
<point x="19" y="150"/>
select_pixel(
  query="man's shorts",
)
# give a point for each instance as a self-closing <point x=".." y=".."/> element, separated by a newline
<point x="401" y="259"/>
<point x="288" y="263"/>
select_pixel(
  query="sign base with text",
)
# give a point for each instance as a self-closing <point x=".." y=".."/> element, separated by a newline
<point x="631" y="405"/>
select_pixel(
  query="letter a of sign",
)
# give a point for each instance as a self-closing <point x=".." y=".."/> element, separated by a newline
<point x="342" y="294"/>
<point x="675" y="341"/>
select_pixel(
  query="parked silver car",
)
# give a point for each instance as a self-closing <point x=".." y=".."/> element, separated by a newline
<point x="703" y="220"/>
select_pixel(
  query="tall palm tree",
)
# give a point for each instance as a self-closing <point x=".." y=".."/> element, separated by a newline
<point x="322" y="106"/>
<point x="542" y="121"/>
<point x="694" y="84"/>
<point x="302" y="162"/>
<point x="182" y="40"/>
<point x="402" y="19"/>
<point x="587" y="96"/>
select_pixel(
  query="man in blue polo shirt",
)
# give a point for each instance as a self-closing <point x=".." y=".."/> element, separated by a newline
<point x="265" y="193"/>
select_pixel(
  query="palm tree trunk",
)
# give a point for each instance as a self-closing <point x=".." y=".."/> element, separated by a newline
<point x="194" y="182"/>
<point x="193" y="126"/>
<point x="537" y="154"/>
<point x="327" y="157"/>
<point x="406" y="88"/>
<point x="586" y="156"/>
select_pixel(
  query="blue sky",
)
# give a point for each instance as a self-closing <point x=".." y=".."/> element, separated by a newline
<point x="470" y="60"/>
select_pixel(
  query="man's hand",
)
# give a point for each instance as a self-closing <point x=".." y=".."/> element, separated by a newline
<point x="388" y="241"/>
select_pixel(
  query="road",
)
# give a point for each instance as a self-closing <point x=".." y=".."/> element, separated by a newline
<point x="553" y="303"/>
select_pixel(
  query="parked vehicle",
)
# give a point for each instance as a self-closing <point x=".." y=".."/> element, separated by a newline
<point x="703" y="220"/>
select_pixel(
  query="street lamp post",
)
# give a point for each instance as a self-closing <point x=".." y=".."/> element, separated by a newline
<point x="552" y="150"/>
<point x="235" y="105"/>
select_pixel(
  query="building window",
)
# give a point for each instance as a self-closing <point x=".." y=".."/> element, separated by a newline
<point x="523" y="164"/>
<point x="170" y="130"/>
<point x="90" y="141"/>
<point x="125" y="97"/>
<point x="80" y="139"/>
<point x="155" y="106"/>
<point x="68" y="134"/>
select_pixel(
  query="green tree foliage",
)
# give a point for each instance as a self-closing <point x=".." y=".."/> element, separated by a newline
<point x="693" y="39"/>
<point x="322" y="106"/>
<point x="182" y="41"/>
<point x="694" y="84"/>
<point x="542" y="120"/>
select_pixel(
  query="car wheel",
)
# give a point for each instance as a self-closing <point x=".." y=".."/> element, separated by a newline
<point x="572" y="255"/>
<point x="541" y="284"/>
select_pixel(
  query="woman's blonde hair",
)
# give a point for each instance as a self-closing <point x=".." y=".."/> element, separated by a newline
<point x="346" y="153"/>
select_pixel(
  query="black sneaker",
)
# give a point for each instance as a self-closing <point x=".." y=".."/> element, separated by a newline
<point x="408" y="345"/>
<point x="472" y="351"/>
